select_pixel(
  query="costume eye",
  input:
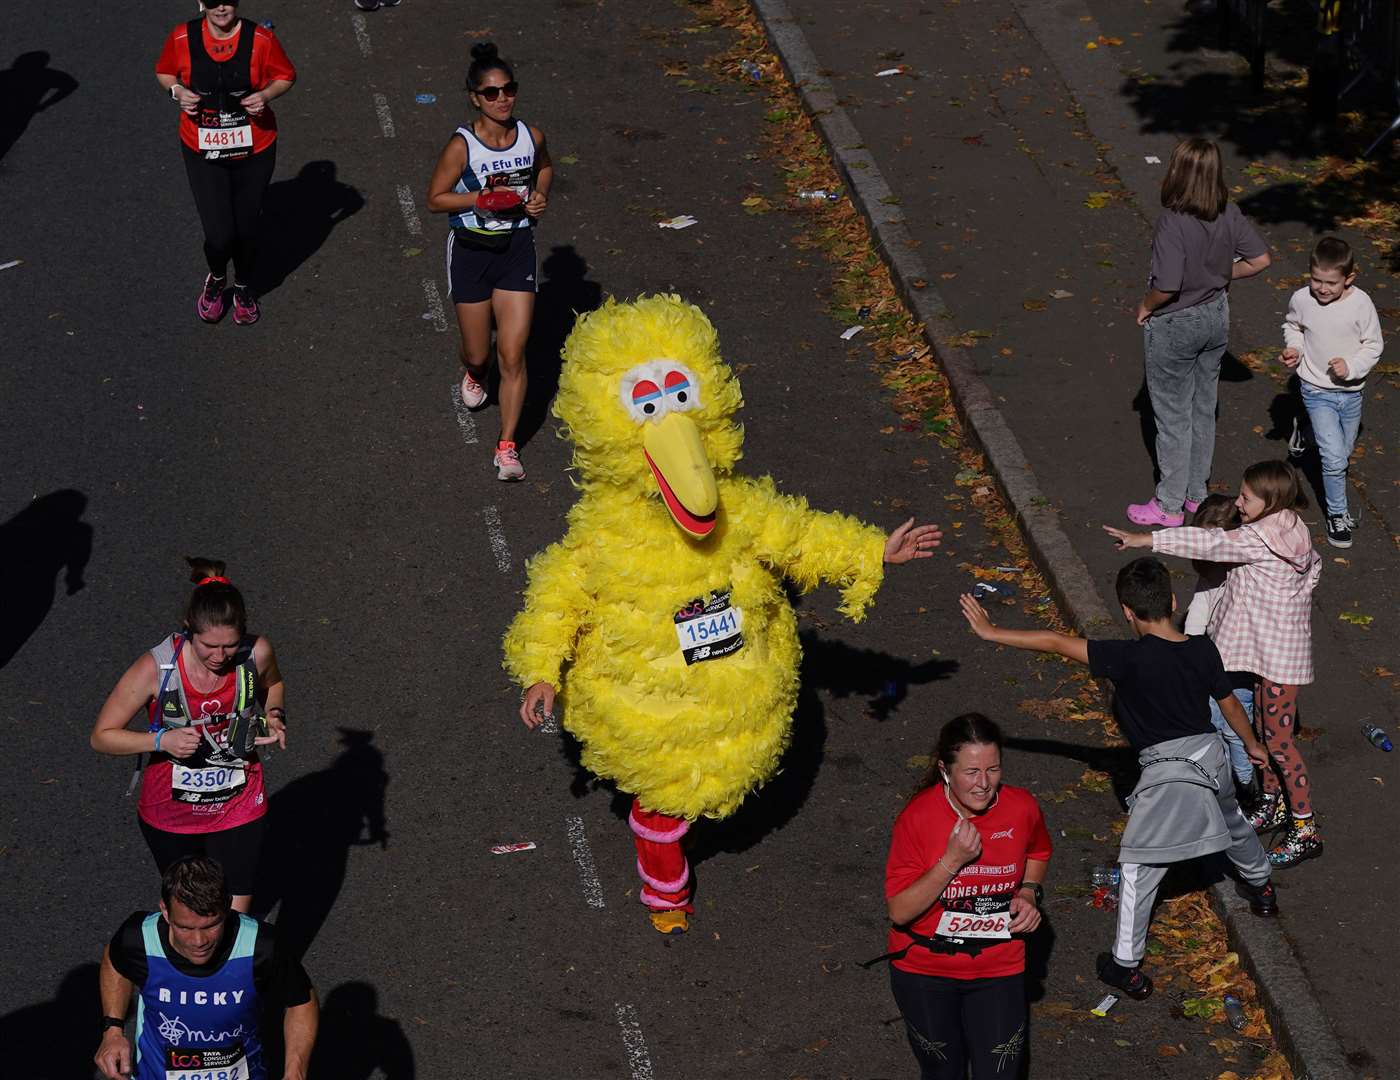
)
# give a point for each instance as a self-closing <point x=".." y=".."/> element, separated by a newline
<point x="646" y="397"/>
<point x="680" y="394"/>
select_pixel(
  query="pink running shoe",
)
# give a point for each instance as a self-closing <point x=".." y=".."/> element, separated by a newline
<point x="245" y="307"/>
<point x="507" y="462"/>
<point x="210" y="305"/>
<point x="1151" y="513"/>
<point x="473" y="393"/>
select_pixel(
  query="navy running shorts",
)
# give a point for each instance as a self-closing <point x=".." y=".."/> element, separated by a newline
<point x="474" y="273"/>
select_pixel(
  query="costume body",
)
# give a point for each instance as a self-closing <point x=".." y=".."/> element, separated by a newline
<point x="667" y="628"/>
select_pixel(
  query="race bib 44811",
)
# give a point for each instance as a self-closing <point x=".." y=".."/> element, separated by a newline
<point x="226" y="138"/>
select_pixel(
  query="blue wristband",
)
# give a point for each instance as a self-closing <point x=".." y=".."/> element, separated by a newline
<point x="159" y="733"/>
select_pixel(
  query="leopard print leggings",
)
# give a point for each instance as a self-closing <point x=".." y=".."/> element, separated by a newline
<point x="1276" y="716"/>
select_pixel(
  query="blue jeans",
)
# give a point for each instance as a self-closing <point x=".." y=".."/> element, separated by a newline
<point x="1184" y="349"/>
<point x="1335" y="418"/>
<point x="1240" y="764"/>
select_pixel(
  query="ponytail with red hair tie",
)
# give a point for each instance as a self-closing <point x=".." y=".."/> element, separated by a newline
<point x="212" y="581"/>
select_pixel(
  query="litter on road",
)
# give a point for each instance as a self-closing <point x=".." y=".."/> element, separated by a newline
<point x="680" y="221"/>
<point x="425" y="99"/>
<point x="1101" y="1009"/>
<point x="888" y="72"/>
<point x="506" y="849"/>
<point x="1152" y="159"/>
<point x="12" y="263"/>
<point x="850" y="332"/>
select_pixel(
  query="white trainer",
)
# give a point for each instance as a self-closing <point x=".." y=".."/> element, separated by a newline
<point x="473" y="393"/>
<point x="507" y="462"/>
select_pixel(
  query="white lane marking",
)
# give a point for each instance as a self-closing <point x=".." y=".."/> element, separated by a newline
<point x="381" y="109"/>
<point x="587" y="873"/>
<point x="497" y="536"/>
<point x="435" y="308"/>
<point x="466" y="422"/>
<point x="361" y="33"/>
<point x="410" y="211"/>
<point x="638" y="1060"/>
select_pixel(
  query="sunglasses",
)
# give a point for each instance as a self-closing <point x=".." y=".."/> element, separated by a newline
<point x="491" y="93"/>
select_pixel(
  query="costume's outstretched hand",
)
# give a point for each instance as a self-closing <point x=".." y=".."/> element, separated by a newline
<point x="976" y="616"/>
<point x="911" y="541"/>
<point x="538" y="705"/>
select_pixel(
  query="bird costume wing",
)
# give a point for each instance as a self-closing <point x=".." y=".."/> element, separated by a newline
<point x="542" y="637"/>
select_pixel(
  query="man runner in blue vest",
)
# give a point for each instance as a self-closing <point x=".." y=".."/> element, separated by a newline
<point x="203" y="975"/>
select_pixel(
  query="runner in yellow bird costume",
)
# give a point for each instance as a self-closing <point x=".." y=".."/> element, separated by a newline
<point x="661" y="614"/>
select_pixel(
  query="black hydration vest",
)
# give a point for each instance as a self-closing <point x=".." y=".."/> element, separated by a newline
<point x="224" y="125"/>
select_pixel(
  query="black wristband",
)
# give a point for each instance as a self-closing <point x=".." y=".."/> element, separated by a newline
<point x="113" y="1022"/>
<point x="1039" y="891"/>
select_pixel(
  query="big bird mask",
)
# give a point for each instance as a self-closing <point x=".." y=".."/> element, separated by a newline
<point x="661" y="615"/>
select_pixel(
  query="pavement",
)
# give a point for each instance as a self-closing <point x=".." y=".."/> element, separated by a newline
<point x="321" y="454"/>
<point x="1017" y="144"/>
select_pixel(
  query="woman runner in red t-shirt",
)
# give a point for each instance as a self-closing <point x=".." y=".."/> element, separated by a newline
<point x="963" y="883"/>
<point x="224" y="72"/>
<point x="198" y="795"/>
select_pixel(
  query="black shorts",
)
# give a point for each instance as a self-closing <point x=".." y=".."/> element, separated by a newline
<point x="474" y="274"/>
<point x="962" y="1026"/>
<point x="236" y="850"/>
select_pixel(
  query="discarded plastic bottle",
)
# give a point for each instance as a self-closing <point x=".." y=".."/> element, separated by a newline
<point x="1234" y="1012"/>
<point x="1377" y="736"/>
<point x="817" y="193"/>
<point x="752" y="70"/>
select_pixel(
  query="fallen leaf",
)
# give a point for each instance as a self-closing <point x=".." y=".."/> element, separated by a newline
<point x="568" y="159"/>
<point x="1006" y="351"/>
<point x="1258" y="429"/>
<point x="1383" y="672"/>
<point x="1033" y="305"/>
<point x="1356" y="618"/>
<point x="1110" y="40"/>
<point x="1378" y="780"/>
<point x="1060" y="294"/>
<point x="887" y="431"/>
<point x="1340" y="561"/>
<point x="1098" y="200"/>
<point x="1167" y="1050"/>
<point x="1091" y="44"/>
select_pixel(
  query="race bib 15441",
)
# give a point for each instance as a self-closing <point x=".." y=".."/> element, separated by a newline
<point x="709" y="627"/>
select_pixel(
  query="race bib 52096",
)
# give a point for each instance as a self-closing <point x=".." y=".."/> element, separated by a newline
<point x="976" y="917"/>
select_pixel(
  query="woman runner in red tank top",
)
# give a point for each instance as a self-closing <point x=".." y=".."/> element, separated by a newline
<point x="197" y="795"/>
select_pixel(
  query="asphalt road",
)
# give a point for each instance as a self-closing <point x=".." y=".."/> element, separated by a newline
<point x="320" y="454"/>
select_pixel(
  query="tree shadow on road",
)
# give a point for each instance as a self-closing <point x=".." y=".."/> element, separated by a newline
<point x="355" y="1043"/>
<point x="1120" y="762"/>
<point x="45" y="537"/>
<point x="564" y="294"/>
<point x="28" y="87"/>
<point x="298" y="217"/>
<point x="313" y="823"/>
<point x="55" y="1039"/>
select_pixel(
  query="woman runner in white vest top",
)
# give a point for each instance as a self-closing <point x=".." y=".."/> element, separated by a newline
<point x="493" y="180"/>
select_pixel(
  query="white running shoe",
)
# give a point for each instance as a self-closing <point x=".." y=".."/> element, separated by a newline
<point x="473" y="393"/>
<point x="507" y="462"/>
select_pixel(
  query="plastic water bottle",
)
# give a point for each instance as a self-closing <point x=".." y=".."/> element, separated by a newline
<point x="1377" y="736"/>
<point x="752" y="70"/>
<point x="1234" y="1012"/>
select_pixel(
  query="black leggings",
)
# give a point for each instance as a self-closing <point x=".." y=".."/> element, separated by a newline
<point x="236" y="850"/>
<point x="954" y="1023"/>
<point x="229" y="197"/>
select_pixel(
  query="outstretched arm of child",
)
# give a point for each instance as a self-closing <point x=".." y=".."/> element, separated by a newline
<point x="1034" y="640"/>
<point x="1233" y="712"/>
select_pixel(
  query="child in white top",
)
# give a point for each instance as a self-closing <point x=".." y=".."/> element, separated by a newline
<point x="1219" y="512"/>
<point x="1332" y="338"/>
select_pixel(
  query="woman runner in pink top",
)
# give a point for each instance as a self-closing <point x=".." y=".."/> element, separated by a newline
<point x="1263" y="624"/>
<point x="200" y="795"/>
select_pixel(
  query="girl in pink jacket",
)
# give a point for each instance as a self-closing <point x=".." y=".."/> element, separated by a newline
<point x="1263" y="624"/>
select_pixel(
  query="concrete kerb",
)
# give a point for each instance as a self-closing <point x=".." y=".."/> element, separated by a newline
<point x="1292" y="1007"/>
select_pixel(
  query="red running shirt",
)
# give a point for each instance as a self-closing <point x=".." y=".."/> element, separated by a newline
<point x="204" y="792"/>
<point x="1012" y="831"/>
<point x="268" y="62"/>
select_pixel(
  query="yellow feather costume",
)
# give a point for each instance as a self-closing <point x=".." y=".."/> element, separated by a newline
<point x="661" y="523"/>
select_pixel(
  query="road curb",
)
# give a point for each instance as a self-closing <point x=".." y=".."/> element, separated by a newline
<point x="1292" y="1007"/>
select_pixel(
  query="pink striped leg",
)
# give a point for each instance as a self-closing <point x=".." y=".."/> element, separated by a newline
<point x="661" y="864"/>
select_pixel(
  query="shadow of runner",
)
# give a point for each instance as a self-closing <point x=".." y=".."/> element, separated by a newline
<point x="313" y="823"/>
<point x="55" y="1040"/>
<point x="298" y="217"/>
<point x="564" y="293"/>
<point x="28" y="87"/>
<point x="355" y="1042"/>
<point x="45" y="537"/>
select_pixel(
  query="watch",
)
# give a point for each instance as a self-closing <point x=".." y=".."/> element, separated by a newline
<point x="1039" y="891"/>
<point x="113" y="1022"/>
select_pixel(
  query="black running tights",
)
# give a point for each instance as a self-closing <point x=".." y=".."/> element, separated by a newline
<point x="956" y="1023"/>
<point x="229" y="197"/>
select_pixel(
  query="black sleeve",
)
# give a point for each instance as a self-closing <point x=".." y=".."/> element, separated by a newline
<point x="128" y="950"/>
<point x="1214" y="667"/>
<point x="277" y="974"/>
<point x="1106" y="659"/>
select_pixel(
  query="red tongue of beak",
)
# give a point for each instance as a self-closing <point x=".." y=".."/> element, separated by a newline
<point x="696" y="526"/>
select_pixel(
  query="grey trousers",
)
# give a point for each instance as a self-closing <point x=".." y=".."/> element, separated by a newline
<point x="1183" y="351"/>
<point x="1138" y="888"/>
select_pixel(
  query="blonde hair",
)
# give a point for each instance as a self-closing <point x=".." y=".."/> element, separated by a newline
<point x="1195" y="181"/>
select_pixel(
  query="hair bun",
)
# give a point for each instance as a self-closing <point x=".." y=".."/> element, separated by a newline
<point x="202" y="567"/>
<point x="485" y="50"/>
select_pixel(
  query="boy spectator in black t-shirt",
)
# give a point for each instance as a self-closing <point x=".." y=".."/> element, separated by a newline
<point x="1184" y="803"/>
